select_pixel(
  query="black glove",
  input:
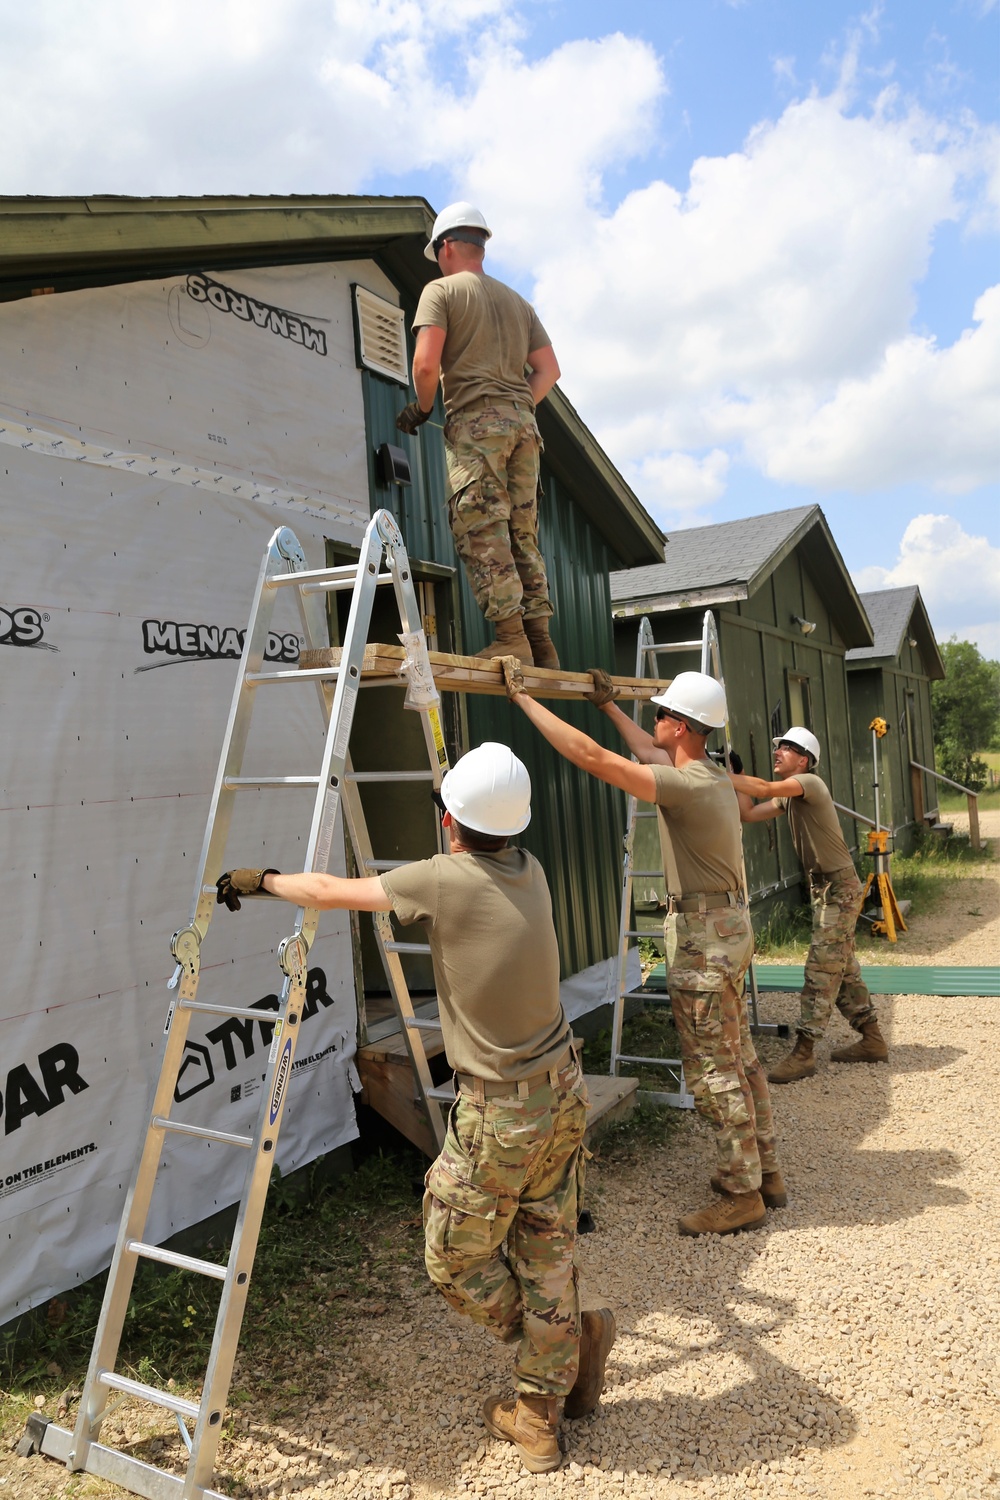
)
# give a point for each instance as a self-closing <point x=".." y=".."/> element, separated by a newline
<point x="604" y="690"/>
<point x="412" y="417"/>
<point x="232" y="884"/>
<point x="735" y="763"/>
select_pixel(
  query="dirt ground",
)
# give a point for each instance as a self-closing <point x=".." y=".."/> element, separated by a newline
<point x="849" y="1348"/>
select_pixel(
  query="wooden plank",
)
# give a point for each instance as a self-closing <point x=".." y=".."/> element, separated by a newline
<point x="610" y="1099"/>
<point x="476" y="674"/>
<point x="391" y="1091"/>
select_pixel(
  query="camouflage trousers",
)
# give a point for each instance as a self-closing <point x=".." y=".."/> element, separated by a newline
<point x="707" y="957"/>
<point x="511" y="1170"/>
<point x="833" y="974"/>
<point x="493" y="455"/>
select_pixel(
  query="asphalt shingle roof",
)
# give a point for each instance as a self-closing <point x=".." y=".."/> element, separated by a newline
<point x="889" y="611"/>
<point x="712" y="556"/>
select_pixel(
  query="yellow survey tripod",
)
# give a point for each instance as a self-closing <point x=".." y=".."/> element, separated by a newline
<point x="878" y="837"/>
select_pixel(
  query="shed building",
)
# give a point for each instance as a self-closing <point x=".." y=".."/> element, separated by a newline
<point x="182" y="376"/>
<point x="786" y="613"/>
<point x="891" y="679"/>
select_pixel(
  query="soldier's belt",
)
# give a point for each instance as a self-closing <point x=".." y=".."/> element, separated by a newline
<point x="482" y="402"/>
<point x="822" y="877"/>
<point x="704" y="903"/>
<point x="483" y="1088"/>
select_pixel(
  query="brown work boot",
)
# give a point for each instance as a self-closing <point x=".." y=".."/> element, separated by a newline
<point x="734" y="1211"/>
<point x="772" y="1189"/>
<point x="531" y="1424"/>
<point x="597" y="1334"/>
<point x="543" y="651"/>
<point x="510" y="641"/>
<point x="799" y="1063"/>
<point x="871" y="1048"/>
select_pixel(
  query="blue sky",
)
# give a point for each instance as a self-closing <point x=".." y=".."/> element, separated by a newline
<point x="761" y="233"/>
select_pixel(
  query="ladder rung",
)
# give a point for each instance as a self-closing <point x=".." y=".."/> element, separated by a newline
<point x="386" y="864"/>
<point x="340" y="585"/>
<point x="149" y="1393"/>
<point x="674" y="646"/>
<point x="646" y="874"/>
<point x="292" y="674"/>
<point x="651" y="813"/>
<point x="171" y="1258"/>
<point x="643" y="994"/>
<point x="240" y="783"/>
<point x="637" y="932"/>
<point x="422" y="1023"/>
<point x="245" y="1012"/>
<point x="444" y="1095"/>
<point x="202" y="1132"/>
<point x="656" y="1062"/>
<point x="312" y="575"/>
<point x="390" y="776"/>
<point x="406" y="948"/>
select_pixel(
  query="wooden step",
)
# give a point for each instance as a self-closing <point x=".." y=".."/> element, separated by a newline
<point x="474" y="674"/>
<point x="388" y="1086"/>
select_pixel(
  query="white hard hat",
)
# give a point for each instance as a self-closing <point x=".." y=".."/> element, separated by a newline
<point x="456" y="216"/>
<point x="803" y="739"/>
<point x="489" y="791"/>
<point x="697" y="696"/>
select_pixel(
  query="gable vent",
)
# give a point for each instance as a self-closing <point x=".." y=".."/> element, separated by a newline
<point x="381" y="336"/>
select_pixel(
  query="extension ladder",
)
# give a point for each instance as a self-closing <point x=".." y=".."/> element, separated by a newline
<point x="284" y="565"/>
<point x="679" y="1097"/>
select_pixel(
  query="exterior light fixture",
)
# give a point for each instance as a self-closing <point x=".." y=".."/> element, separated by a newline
<point x="911" y="640"/>
<point x="806" y="626"/>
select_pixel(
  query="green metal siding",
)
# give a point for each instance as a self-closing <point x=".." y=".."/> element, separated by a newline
<point x="577" y="823"/>
<point x="760" y="646"/>
<point x="882" y="690"/>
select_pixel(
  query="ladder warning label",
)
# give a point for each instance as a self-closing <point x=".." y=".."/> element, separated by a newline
<point x="37" y="1171"/>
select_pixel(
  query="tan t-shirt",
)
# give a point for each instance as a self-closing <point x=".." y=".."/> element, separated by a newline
<point x="496" y="961"/>
<point x="815" y="828"/>
<point x="699" y="824"/>
<point x="491" y="330"/>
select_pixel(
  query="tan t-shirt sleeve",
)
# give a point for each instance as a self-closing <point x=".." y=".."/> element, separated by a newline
<point x="671" y="787"/>
<point x="537" y="337"/>
<point x="413" y="891"/>
<point x="432" y="309"/>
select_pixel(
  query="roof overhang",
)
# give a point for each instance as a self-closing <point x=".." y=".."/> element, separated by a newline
<point x="66" y="244"/>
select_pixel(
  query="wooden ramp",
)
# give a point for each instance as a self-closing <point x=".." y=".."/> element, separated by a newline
<point x="388" y="1086"/>
<point x="382" y="664"/>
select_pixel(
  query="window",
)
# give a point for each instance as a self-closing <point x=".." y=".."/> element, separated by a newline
<point x="799" y="706"/>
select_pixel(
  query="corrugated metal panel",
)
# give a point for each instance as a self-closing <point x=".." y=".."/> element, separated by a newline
<point x="577" y="823"/>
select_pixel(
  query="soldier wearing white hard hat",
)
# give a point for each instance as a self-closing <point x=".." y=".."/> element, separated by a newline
<point x="707" y="930"/>
<point x="511" y="1167"/>
<point x="833" y="974"/>
<point x="495" y="362"/>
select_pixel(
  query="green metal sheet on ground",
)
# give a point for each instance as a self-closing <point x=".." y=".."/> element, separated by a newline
<point x="881" y="979"/>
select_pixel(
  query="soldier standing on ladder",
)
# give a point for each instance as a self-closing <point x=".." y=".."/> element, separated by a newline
<point x="833" y="974"/>
<point x="709" y="940"/>
<point x="512" y="1164"/>
<point x="477" y="336"/>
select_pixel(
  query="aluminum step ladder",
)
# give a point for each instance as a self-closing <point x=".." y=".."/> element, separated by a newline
<point x="629" y="931"/>
<point x="201" y="1422"/>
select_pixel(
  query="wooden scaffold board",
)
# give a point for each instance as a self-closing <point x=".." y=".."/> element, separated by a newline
<point x="382" y="664"/>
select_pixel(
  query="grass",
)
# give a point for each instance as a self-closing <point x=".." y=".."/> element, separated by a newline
<point x="325" y="1250"/>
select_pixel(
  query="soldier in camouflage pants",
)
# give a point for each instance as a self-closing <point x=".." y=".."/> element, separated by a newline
<point x="833" y="974"/>
<point x="707" y="954"/>
<point x="492" y="452"/>
<point x="512" y="1169"/>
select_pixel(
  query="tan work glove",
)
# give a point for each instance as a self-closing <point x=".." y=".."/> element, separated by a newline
<point x="232" y="884"/>
<point x="604" y="689"/>
<point x="513" y="676"/>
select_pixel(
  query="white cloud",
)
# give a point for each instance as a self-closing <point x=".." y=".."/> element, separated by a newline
<point x="678" y="487"/>
<point x="958" y="576"/>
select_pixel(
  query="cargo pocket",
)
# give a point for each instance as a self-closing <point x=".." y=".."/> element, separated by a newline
<point x="461" y="1216"/>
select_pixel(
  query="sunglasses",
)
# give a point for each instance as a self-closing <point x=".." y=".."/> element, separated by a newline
<point x="664" y="713"/>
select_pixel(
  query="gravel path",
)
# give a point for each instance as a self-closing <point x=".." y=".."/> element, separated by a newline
<point x="850" y="1348"/>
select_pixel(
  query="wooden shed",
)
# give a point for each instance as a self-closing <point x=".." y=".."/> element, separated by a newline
<point x="891" y="679"/>
<point x="786" y="613"/>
